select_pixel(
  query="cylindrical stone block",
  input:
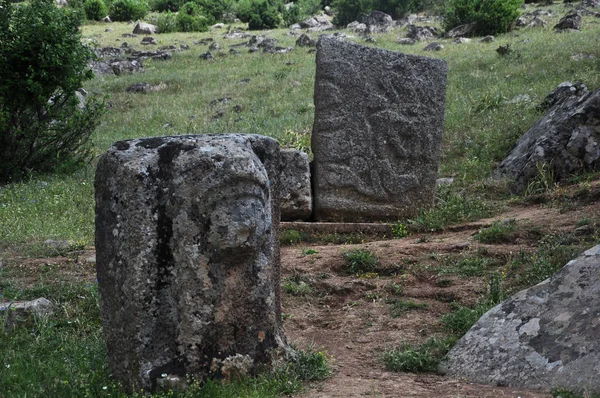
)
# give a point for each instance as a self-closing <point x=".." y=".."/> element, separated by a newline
<point x="188" y="256"/>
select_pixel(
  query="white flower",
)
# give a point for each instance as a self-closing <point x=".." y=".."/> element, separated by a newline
<point x="105" y="388"/>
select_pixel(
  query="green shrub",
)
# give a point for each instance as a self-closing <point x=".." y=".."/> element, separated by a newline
<point x="215" y="8"/>
<point x="166" y="22"/>
<point x="300" y="10"/>
<point x="347" y="11"/>
<point x="498" y="232"/>
<point x="95" y="9"/>
<point x="43" y="125"/>
<point x="490" y="16"/>
<point x="264" y="15"/>
<point x="360" y="260"/>
<point x="128" y="10"/>
<point x="192" y="18"/>
<point x="165" y="6"/>
<point x="396" y="8"/>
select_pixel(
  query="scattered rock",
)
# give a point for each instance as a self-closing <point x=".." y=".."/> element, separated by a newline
<point x="167" y="48"/>
<point x="376" y="144"/>
<point x="378" y="22"/>
<point x="143" y="28"/>
<point x="236" y="34"/>
<point x="357" y="27"/>
<point x="565" y="139"/>
<point x="106" y="19"/>
<point x="117" y="66"/>
<point x="537" y="22"/>
<point x="296" y="195"/>
<point x="156" y="55"/>
<point x="504" y="50"/>
<point x="148" y="40"/>
<point x="317" y="23"/>
<point x="543" y="337"/>
<point x="487" y="39"/>
<point x="204" y="41"/>
<point x="124" y="45"/>
<point x="421" y="33"/>
<point x="214" y="46"/>
<point x="581" y="56"/>
<point x="434" y="47"/>
<point x="207" y="55"/>
<point x="219" y="25"/>
<point x="58" y="244"/>
<point x="571" y="21"/>
<point x="233" y="51"/>
<point x="462" y="40"/>
<point x="520" y="99"/>
<point x="161" y="312"/>
<point x="145" y="87"/>
<point x="253" y="49"/>
<point x="129" y="35"/>
<point x="444" y="181"/>
<point x="18" y="312"/>
<point x="562" y="92"/>
<point x="461" y="31"/>
<point x="406" y="41"/>
<point x="305" y="41"/>
<point x="184" y="47"/>
<point x="277" y="50"/>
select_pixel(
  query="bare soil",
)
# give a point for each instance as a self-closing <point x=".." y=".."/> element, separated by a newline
<point x="349" y="316"/>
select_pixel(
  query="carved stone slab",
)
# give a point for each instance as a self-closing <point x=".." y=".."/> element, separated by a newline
<point x="296" y="195"/>
<point x="188" y="256"/>
<point x="377" y="133"/>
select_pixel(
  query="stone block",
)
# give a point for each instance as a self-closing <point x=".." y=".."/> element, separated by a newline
<point x="377" y="132"/>
<point x="296" y="196"/>
<point x="543" y="337"/>
<point x="188" y="256"/>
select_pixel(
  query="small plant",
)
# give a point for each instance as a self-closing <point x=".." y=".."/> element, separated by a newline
<point x="466" y="267"/>
<point x="264" y="15"/>
<point x="312" y="365"/>
<point x="498" y="232"/>
<point x="400" y="307"/>
<point x="395" y="288"/>
<point x="193" y="18"/>
<point x="544" y="182"/>
<point x="360" y="261"/>
<point x="399" y="230"/>
<point x="462" y="318"/>
<point x="443" y="282"/>
<point x="292" y="237"/>
<point x="296" y="288"/>
<point x="308" y="252"/>
<point x="128" y="10"/>
<point x="421" y="358"/>
<point x="583" y="221"/>
<point x="566" y="393"/>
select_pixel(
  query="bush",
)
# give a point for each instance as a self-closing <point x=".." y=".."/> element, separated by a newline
<point x="490" y="16"/>
<point x="360" y="260"/>
<point x="42" y="65"/>
<point x="300" y="10"/>
<point x="95" y="9"/>
<point x="215" y="8"/>
<point x="166" y="22"/>
<point x="191" y="18"/>
<point x="128" y="10"/>
<point x="264" y="15"/>
<point x="165" y="6"/>
<point x="347" y="11"/>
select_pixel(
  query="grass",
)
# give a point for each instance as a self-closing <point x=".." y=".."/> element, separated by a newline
<point x="466" y="267"/>
<point x="64" y="354"/>
<point x="499" y="232"/>
<point x="360" y="261"/>
<point x="417" y="358"/>
<point x="400" y="307"/>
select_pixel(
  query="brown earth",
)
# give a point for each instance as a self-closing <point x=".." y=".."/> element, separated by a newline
<point x="348" y="316"/>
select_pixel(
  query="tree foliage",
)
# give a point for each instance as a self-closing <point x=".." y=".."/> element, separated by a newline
<point x="490" y="16"/>
<point x="43" y="123"/>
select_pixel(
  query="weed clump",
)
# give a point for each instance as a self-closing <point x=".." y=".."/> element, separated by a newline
<point x="498" y="232"/>
<point x="360" y="261"/>
<point x="418" y="358"/>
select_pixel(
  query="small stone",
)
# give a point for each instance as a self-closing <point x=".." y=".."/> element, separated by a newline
<point x="434" y="47"/>
<point x="148" y="40"/>
<point x="207" y="56"/>
<point x="487" y="39"/>
<point x="143" y="28"/>
<point x="406" y="41"/>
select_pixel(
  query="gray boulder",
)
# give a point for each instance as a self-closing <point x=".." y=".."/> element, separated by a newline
<point x="406" y="41"/>
<point x="357" y="27"/>
<point x="188" y="256"/>
<point x="461" y="31"/>
<point x="143" y="28"/>
<point x="17" y="312"/>
<point x="421" y="33"/>
<point x="305" y="41"/>
<point x="148" y="40"/>
<point x="542" y="337"/>
<point x="316" y="23"/>
<point x="571" y="21"/>
<point x="377" y="132"/>
<point x="566" y="139"/>
<point x="435" y="46"/>
<point x="296" y="195"/>
<point x="378" y="22"/>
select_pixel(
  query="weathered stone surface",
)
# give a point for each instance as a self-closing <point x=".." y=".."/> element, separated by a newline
<point x="143" y="28"/>
<point x="305" y="41"/>
<point x="15" y="312"/>
<point x="377" y="132"/>
<point x="461" y="31"/>
<point x="421" y="33"/>
<point x="571" y="21"/>
<point x="296" y="194"/>
<point x="542" y="337"/>
<point x="188" y="255"/>
<point x="148" y="40"/>
<point x="378" y="22"/>
<point x="357" y="27"/>
<point x="435" y="46"/>
<point x="566" y="139"/>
